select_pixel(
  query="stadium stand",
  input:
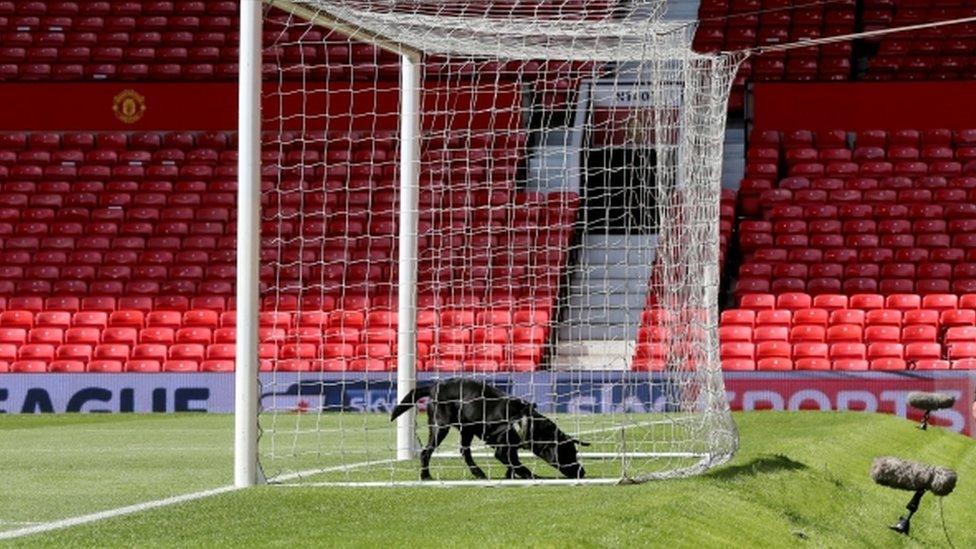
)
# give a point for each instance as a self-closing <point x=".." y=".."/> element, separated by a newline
<point x="118" y="248"/>
<point x="944" y="53"/>
<point x="735" y="25"/>
<point x="118" y="255"/>
<point x="858" y="247"/>
<point x="194" y="40"/>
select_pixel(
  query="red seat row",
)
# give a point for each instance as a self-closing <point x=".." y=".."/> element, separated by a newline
<point x="780" y="355"/>
<point x="840" y="138"/>
<point x="902" y="302"/>
<point x="131" y="270"/>
<point x="741" y="24"/>
<point x="937" y="53"/>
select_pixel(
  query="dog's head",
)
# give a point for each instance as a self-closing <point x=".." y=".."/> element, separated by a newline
<point x="555" y="447"/>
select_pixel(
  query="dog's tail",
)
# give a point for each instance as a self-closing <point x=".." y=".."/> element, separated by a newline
<point x="409" y="401"/>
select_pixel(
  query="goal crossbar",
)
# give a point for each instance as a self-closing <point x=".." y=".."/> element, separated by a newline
<point x="354" y="32"/>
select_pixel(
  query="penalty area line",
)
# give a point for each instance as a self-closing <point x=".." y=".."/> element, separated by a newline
<point x="112" y="513"/>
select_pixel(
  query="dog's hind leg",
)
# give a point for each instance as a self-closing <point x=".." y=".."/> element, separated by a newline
<point x="437" y="434"/>
<point x="467" y="437"/>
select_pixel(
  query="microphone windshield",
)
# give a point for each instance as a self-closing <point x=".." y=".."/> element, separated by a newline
<point x="930" y="401"/>
<point x="913" y="476"/>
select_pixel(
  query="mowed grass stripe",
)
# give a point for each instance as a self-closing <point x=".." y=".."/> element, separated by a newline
<point x="800" y="478"/>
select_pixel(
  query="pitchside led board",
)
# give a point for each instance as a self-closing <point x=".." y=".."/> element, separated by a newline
<point x="578" y="392"/>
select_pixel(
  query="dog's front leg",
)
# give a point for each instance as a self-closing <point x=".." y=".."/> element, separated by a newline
<point x="521" y="471"/>
<point x="467" y="437"/>
<point x="508" y="455"/>
<point x="501" y="454"/>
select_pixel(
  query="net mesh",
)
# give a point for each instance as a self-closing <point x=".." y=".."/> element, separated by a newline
<point x="567" y="233"/>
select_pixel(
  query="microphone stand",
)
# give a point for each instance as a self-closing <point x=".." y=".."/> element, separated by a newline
<point x="904" y="522"/>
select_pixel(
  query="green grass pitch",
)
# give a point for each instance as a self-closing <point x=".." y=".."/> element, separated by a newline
<point x="800" y="479"/>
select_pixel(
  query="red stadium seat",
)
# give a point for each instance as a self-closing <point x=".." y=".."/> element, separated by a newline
<point x="737" y="351"/>
<point x="882" y="334"/>
<point x="793" y="301"/>
<point x="200" y="318"/>
<point x="903" y="302"/>
<point x="960" y="334"/>
<point x="866" y="302"/>
<point x="808" y="333"/>
<point x="830" y="302"/>
<point x="72" y="351"/>
<point x="163" y="319"/>
<point x="927" y="317"/>
<point x="774" y="317"/>
<point x="958" y="317"/>
<point x="924" y="356"/>
<point x="181" y="366"/>
<point x="29" y="366"/>
<point x="883" y="317"/>
<point x="844" y="333"/>
<point x="119" y="334"/>
<point x="53" y="319"/>
<point x="847" y="316"/>
<point x="848" y="356"/>
<point x="17" y="319"/>
<point x="735" y="333"/>
<point x="67" y="366"/>
<point x="754" y="302"/>
<point x="111" y="352"/>
<point x="143" y="366"/>
<point x="811" y="356"/>
<point x="738" y="317"/>
<point x="105" y="366"/>
<point x="770" y="333"/>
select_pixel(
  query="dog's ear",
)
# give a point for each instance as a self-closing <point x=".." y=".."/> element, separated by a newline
<point x="579" y="442"/>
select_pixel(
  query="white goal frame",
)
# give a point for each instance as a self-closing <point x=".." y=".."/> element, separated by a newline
<point x="247" y="470"/>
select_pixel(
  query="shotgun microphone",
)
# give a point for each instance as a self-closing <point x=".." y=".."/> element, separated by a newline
<point x="929" y="402"/>
<point x="913" y="477"/>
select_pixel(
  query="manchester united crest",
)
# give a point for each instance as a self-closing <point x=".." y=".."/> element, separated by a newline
<point x="129" y="106"/>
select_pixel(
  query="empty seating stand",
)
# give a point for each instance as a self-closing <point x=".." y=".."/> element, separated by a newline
<point x="796" y="331"/>
<point x="197" y="40"/>
<point x="940" y="53"/>
<point x="877" y="225"/>
<point x="727" y="25"/>
<point x="118" y="254"/>
<point x="886" y="212"/>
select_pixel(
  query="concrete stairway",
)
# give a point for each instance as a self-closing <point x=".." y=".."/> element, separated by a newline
<point x="607" y="295"/>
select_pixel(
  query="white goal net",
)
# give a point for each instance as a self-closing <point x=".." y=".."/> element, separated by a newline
<point x="523" y="194"/>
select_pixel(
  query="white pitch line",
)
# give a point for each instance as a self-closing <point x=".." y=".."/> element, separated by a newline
<point x="112" y="513"/>
<point x="334" y="469"/>
<point x="145" y="506"/>
<point x="90" y="451"/>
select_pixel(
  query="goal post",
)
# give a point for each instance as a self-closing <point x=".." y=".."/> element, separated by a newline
<point x="410" y="85"/>
<point x="246" y="470"/>
<point x="524" y="192"/>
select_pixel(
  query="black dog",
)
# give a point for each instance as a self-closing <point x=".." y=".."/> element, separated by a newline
<point x="505" y="423"/>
